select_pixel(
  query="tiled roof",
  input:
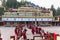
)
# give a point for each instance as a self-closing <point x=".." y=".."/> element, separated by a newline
<point x="28" y="9"/>
<point x="45" y="11"/>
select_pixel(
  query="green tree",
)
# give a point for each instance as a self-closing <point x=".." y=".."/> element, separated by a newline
<point x="53" y="9"/>
<point x="4" y="3"/>
<point x="58" y="11"/>
<point x="1" y="11"/>
<point x="22" y="3"/>
<point x="44" y="8"/>
<point x="11" y="3"/>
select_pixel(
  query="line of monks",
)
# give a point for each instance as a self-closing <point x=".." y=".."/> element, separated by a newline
<point x="21" y="30"/>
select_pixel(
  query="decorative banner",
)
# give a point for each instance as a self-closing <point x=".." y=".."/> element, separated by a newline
<point x="27" y="19"/>
<point x="18" y="19"/>
<point x="44" y="19"/>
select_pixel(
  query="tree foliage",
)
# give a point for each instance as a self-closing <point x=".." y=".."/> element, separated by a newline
<point x="15" y="4"/>
<point x="1" y="11"/>
<point x="4" y="3"/>
<point x="11" y="3"/>
<point x="58" y="11"/>
<point x="53" y="9"/>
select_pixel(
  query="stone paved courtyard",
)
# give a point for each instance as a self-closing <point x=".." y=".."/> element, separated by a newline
<point x="8" y="31"/>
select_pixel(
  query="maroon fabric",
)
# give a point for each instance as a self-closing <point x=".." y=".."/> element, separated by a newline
<point x="39" y="29"/>
<point x="17" y="30"/>
<point x="40" y="33"/>
<point x="24" y="34"/>
<point x="28" y="26"/>
<point x="12" y="37"/>
<point x="0" y="38"/>
<point x="33" y="30"/>
<point x="36" y="30"/>
<point x="20" y="26"/>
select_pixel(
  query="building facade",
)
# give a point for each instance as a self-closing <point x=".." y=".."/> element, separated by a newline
<point x="24" y="15"/>
<point x="56" y="22"/>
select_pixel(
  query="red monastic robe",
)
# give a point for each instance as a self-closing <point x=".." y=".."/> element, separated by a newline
<point x="17" y="31"/>
<point x="24" y="34"/>
<point x="33" y="30"/>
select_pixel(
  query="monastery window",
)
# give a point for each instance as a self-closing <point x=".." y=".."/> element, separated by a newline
<point x="22" y="14"/>
<point x="33" y="13"/>
<point x="17" y="13"/>
<point x="42" y="14"/>
<point x="7" y="13"/>
<point x="28" y="14"/>
<point x="39" y="14"/>
<point x="47" y="14"/>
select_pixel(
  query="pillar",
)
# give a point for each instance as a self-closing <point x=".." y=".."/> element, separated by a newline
<point x="35" y="23"/>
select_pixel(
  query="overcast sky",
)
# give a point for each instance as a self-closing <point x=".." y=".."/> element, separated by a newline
<point x="46" y="3"/>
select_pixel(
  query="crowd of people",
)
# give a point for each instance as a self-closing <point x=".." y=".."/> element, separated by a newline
<point x="22" y="31"/>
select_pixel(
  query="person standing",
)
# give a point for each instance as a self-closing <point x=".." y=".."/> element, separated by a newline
<point x="29" y="34"/>
<point x="24" y="34"/>
<point x="18" y="32"/>
<point x="33" y="30"/>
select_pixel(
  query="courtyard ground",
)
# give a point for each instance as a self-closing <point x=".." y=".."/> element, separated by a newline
<point x="8" y="31"/>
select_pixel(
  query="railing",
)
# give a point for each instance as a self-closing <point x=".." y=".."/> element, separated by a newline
<point x="27" y="16"/>
<point x="18" y="16"/>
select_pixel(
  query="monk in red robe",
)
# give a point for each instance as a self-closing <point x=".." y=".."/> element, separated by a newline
<point x="29" y="26"/>
<point x="36" y="30"/>
<point x="24" y="34"/>
<point x="18" y="32"/>
<point x="20" y="26"/>
<point x="33" y="29"/>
